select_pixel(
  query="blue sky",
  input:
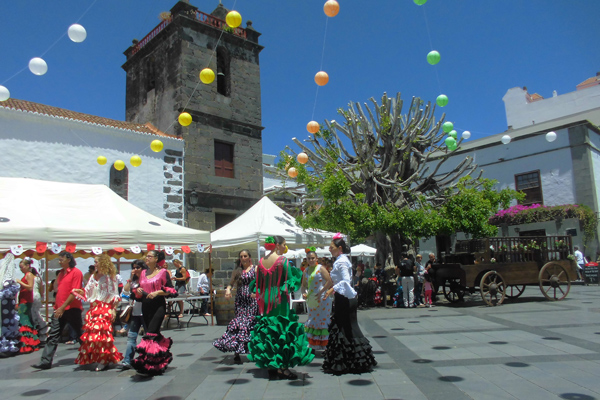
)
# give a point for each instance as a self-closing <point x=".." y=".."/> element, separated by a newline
<point x="371" y="47"/>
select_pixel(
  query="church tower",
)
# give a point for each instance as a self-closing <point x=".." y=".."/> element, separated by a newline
<point x="221" y="173"/>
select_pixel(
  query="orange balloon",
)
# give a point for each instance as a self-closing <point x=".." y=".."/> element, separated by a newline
<point x="321" y="78"/>
<point x="331" y="8"/>
<point x="313" y="127"/>
<point x="302" y="158"/>
<point x="293" y="172"/>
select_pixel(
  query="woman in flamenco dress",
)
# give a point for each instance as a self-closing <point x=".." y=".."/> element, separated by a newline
<point x="155" y="285"/>
<point x="315" y="282"/>
<point x="278" y="341"/>
<point x="238" y="331"/>
<point x="30" y="341"/>
<point x="348" y="351"/>
<point x="101" y="291"/>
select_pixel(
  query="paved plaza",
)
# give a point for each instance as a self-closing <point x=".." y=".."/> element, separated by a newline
<point x="528" y="348"/>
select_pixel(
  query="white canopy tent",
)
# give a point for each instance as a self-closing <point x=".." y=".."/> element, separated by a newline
<point x="265" y="219"/>
<point x="362" y="250"/>
<point x="88" y="215"/>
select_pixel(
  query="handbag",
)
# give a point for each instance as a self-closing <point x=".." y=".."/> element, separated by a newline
<point x="126" y="314"/>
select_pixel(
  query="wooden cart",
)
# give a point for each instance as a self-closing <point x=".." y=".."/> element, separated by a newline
<point x="502" y="267"/>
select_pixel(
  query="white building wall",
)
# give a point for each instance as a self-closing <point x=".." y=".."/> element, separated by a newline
<point x="501" y="162"/>
<point x="55" y="149"/>
<point x="521" y="113"/>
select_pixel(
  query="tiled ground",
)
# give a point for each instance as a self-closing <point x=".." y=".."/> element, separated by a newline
<point x="525" y="349"/>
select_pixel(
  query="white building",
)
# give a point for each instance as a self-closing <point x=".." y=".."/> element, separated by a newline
<point x="565" y="171"/>
<point x="50" y="143"/>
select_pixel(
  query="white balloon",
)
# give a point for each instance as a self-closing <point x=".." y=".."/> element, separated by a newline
<point x="505" y="139"/>
<point x="4" y="93"/>
<point x="466" y="135"/>
<point x="77" y="33"/>
<point x="551" y="136"/>
<point x="37" y="66"/>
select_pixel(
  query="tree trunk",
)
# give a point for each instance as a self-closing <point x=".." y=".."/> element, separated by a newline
<point x="394" y="245"/>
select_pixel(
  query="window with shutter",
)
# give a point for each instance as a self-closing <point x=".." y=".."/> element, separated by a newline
<point x="224" y="159"/>
<point x="530" y="184"/>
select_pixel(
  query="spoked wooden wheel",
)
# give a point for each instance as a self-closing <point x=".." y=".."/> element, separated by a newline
<point x="514" y="291"/>
<point x="554" y="282"/>
<point x="453" y="290"/>
<point x="492" y="288"/>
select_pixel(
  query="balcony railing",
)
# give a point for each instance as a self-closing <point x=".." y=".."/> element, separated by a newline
<point x="200" y="16"/>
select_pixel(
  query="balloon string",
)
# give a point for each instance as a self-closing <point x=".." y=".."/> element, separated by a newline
<point x="320" y="68"/>
<point x="431" y="46"/>
<point x="54" y="44"/>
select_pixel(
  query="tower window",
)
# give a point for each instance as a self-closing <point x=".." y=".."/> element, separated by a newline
<point x="150" y="74"/>
<point x="223" y="72"/>
<point x="223" y="219"/>
<point x="530" y="184"/>
<point x="224" y="159"/>
<point x="119" y="181"/>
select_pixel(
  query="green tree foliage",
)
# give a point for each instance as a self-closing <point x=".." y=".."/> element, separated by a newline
<point x="379" y="172"/>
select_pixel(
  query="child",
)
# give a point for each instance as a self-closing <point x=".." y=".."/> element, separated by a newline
<point x="427" y="288"/>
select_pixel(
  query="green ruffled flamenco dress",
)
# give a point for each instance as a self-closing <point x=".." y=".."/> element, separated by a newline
<point x="278" y="340"/>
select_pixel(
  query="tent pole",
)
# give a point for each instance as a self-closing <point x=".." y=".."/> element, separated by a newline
<point x="210" y="293"/>
<point x="46" y="289"/>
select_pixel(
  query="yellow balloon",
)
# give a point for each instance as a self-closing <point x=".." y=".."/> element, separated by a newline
<point x="119" y="165"/>
<point x="184" y="119"/>
<point x="136" y="161"/>
<point x="207" y="76"/>
<point x="156" y="145"/>
<point x="101" y="160"/>
<point x="233" y="19"/>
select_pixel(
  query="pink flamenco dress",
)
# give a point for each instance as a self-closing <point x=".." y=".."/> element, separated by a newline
<point x="154" y="349"/>
<point x="97" y="341"/>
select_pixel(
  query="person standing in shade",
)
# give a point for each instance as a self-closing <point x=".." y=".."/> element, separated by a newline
<point x="236" y="337"/>
<point x="581" y="261"/>
<point x="180" y="282"/>
<point x="419" y="278"/>
<point x="67" y="308"/>
<point x="407" y="272"/>
<point x="204" y="289"/>
<point x="348" y="351"/>
<point x="29" y="335"/>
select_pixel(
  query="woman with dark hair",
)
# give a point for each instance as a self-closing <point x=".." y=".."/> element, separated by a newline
<point x="278" y="341"/>
<point x="155" y="285"/>
<point x="348" y="351"/>
<point x="238" y="331"/>
<point x="315" y="281"/>
<point x="29" y="335"/>
<point x="36" y="307"/>
<point x="102" y="292"/>
<point x="135" y="321"/>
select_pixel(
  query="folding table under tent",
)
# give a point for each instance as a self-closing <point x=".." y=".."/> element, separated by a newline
<point x="265" y="219"/>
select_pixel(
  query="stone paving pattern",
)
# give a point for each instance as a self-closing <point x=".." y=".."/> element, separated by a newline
<point x="527" y="348"/>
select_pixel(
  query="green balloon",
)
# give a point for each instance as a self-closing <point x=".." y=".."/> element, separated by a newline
<point x="447" y="126"/>
<point x="433" y="57"/>
<point x="450" y="141"/>
<point x="452" y="147"/>
<point x="442" y="100"/>
<point x="420" y="2"/>
<point x="453" y="134"/>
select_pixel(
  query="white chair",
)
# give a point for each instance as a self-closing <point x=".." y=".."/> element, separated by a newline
<point x="299" y="299"/>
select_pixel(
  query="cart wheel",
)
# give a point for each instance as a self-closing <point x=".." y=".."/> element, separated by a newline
<point x="554" y="282"/>
<point x="453" y="290"/>
<point x="514" y="291"/>
<point x="493" y="288"/>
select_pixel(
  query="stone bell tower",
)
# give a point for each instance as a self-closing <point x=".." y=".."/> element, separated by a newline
<point x="221" y="171"/>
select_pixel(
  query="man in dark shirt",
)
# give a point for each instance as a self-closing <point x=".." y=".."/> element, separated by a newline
<point x="407" y="271"/>
<point x="67" y="308"/>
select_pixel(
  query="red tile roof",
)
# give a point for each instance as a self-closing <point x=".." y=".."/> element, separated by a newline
<point x="37" y="108"/>
<point x="589" y="82"/>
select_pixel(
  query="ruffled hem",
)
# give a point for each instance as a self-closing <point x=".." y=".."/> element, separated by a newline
<point x="317" y="344"/>
<point x="279" y="341"/>
<point x="316" y="332"/>
<point x="154" y="355"/>
<point x="344" y="356"/>
<point x="97" y="341"/>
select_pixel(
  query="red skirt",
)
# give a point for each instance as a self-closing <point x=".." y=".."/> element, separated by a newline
<point x="97" y="342"/>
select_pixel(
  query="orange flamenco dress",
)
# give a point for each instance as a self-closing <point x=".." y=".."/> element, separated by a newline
<point x="97" y="341"/>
